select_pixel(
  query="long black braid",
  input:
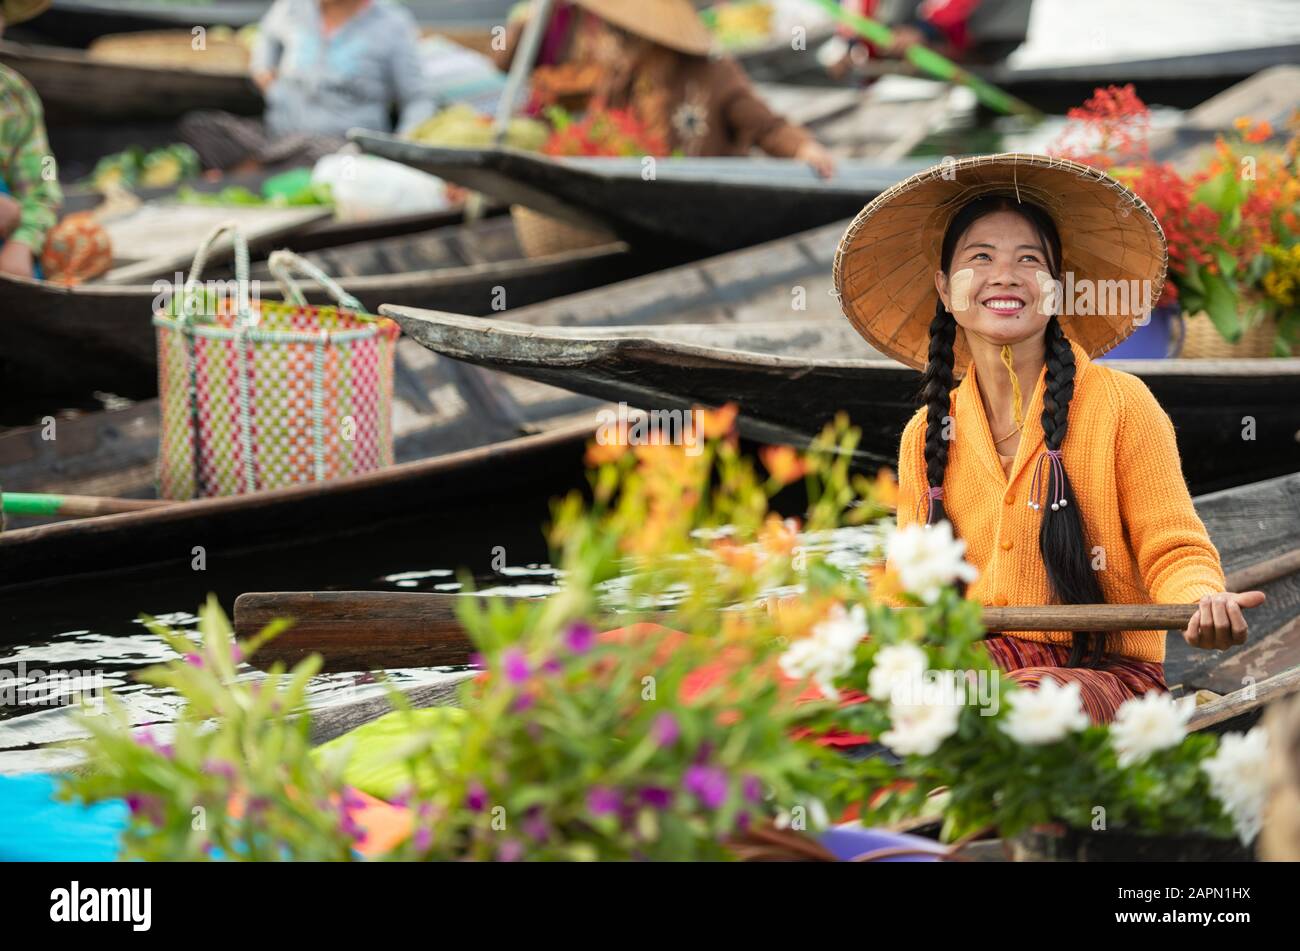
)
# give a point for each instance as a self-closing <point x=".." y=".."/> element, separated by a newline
<point x="1061" y="540"/>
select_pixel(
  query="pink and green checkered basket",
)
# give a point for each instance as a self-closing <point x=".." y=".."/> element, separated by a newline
<point x="265" y="394"/>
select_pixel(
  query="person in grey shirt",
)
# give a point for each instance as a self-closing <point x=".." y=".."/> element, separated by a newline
<point x="324" y="67"/>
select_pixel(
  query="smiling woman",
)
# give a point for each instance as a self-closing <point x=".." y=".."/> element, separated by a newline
<point x="977" y="298"/>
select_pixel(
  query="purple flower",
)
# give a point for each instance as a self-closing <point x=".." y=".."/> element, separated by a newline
<point x="237" y="654"/>
<point x="511" y="850"/>
<point x="146" y="739"/>
<point x="476" y="659"/>
<point x="552" y="666"/>
<point x="515" y="665"/>
<point x="580" y="637"/>
<point x="752" y="788"/>
<point x="742" y="822"/>
<point x="535" y="824"/>
<point x="523" y="703"/>
<point x="423" y="839"/>
<point x="665" y="729"/>
<point x="476" y="797"/>
<point x="194" y="660"/>
<point x="708" y="784"/>
<point x="602" y="800"/>
<point x="657" y="797"/>
<point x="219" y="767"/>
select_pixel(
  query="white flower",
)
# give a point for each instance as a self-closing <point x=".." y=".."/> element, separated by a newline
<point x="1239" y="779"/>
<point x="1147" y="724"/>
<point x="928" y="557"/>
<point x="1046" y="714"/>
<point x="921" y="728"/>
<point x="827" y="652"/>
<point x="896" y="666"/>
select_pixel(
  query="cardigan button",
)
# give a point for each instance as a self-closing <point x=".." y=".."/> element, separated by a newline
<point x="1000" y="601"/>
<point x="1008" y="500"/>
<point x="1008" y="545"/>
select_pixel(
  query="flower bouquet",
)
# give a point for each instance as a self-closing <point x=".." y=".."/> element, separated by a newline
<point x="1232" y="223"/>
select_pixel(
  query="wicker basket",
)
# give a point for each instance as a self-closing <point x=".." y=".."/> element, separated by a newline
<point x="171" y="49"/>
<point x="1202" y="340"/>
<point x="541" y="235"/>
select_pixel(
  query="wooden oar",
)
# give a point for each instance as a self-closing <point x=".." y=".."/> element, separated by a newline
<point x="44" y="505"/>
<point x="371" y="630"/>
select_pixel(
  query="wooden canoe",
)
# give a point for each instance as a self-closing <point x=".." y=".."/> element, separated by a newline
<point x="713" y="204"/>
<point x="61" y="343"/>
<point x="77" y="88"/>
<point x="465" y="486"/>
<point x="439" y="406"/>
<point x="791" y="378"/>
<point x="1178" y="81"/>
<point x="77" y="22"/>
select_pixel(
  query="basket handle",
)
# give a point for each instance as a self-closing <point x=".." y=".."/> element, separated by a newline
<point x="241" y="271"/>
<point x="284" y="263"/>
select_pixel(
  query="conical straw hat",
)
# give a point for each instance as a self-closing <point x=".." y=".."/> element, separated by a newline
<point x="671" y="23"/>
<point x="885" y="264"/>
<point x="16" y="11"/>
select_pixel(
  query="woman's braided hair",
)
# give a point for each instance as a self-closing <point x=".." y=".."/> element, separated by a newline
<point x="1061" y="540"/>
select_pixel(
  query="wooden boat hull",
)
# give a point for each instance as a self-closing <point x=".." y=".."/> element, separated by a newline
<point x="1178" y="81"/>
<point x="788" y="387"/>
<point x="74" y="88"/>
<point x="228" y="528"/>
<point x="65" y="342"/>
<point x="713" y="204"/>
<point x="78" y="22"/>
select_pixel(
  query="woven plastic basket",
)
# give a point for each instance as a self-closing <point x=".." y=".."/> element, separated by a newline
<point x="264" y="394"/>
<point x="1204" y="342"/>
<point x="541" y="235"/>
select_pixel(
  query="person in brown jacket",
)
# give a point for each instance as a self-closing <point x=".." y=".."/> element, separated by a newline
<point x="655" y="62"/>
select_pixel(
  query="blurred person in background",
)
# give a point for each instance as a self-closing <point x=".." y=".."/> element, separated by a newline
<point x="966" y="31"/>
<point x="652" y="58"/>
<point x="324" y="67"/>
<point x="29" y="189"/>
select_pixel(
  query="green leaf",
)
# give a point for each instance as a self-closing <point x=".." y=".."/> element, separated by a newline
<point x="1227" y="263"/>
<point x="1222" y="305"/>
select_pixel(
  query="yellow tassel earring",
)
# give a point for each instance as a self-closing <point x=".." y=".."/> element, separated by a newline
<point x="1017" y="410"/>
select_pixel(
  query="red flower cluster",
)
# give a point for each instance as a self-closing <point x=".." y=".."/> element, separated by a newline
<point x="1113" y="127"/>
<point x="1190" y="228"/>
<point x="611" y="132"/>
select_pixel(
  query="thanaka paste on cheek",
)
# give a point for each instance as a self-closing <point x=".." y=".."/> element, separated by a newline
<point x="1046" y="293"/>
<point x="960" y="288"/>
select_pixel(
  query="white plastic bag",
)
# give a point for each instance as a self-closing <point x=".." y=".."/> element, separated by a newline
<point x="365" y="187"/>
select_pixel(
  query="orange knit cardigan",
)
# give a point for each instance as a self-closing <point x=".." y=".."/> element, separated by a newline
<point x="1143" y="534"/>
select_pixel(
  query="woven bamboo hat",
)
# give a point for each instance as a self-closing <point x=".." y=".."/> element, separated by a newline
<point x="671" y="23"/>
<point x="16" y="11"/>
<point x="885" y="264"/>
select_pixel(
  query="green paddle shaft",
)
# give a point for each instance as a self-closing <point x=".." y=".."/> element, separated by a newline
<point x="45" y="505"/>
<point x="928" y="61"/>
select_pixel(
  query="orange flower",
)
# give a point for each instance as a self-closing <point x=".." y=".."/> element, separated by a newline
<point x="1261" y="132"/>
<point x="741" y="557"/>
<point x="885" y="489"/>
<point x="598" y="454"/>
<point x="883" y="584"/>
<point x="719" y="422"/>
<point x="784" y="462"/>
<point x="778" y="535"/>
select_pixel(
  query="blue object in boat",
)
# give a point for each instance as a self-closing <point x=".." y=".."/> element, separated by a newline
<point x="35" y="827"/>
<point x="1160" y="337"/>
<point x="36" y="262"/>
<point x="848" y="842"/>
